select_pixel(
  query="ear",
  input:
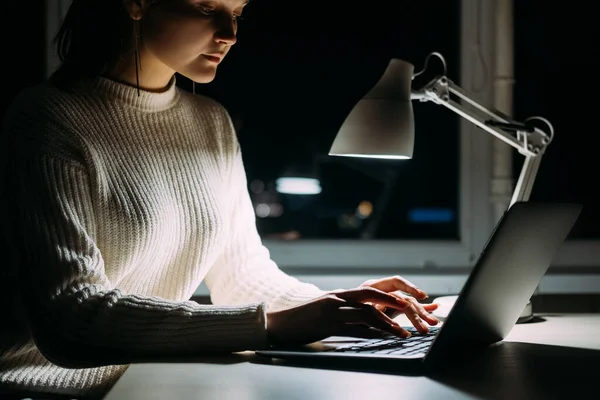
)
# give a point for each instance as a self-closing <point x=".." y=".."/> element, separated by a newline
<point x="135" y="8"/>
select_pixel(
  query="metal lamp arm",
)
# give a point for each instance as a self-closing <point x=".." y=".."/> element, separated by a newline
<point x="530" y="141"/>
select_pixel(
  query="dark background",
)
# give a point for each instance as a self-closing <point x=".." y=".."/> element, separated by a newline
<point x="299" y="67"/>
<point x="557" y="61"/>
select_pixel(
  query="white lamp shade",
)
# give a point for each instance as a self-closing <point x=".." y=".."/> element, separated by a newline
<point x="381" y="124"/>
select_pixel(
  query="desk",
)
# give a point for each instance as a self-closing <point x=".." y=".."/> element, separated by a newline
<point x="553" y="357"/>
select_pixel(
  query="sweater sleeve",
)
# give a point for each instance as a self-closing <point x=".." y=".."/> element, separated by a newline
<point x="76" y="316"/>
<point x="245" y="272"/>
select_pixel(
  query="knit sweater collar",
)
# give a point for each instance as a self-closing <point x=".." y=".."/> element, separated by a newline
<point x="144" y="101"/>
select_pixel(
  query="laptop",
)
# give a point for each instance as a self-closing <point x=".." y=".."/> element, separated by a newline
<point x="512" y="263"/>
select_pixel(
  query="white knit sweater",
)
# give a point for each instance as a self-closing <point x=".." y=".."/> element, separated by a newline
<point x="119" y="206"/>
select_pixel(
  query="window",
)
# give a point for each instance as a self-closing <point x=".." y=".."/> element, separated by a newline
<point x="551" y="72"/>
<point x="354" y="198"/>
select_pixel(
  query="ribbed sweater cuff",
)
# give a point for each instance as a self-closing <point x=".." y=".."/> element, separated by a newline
<point x="233" y="328"/>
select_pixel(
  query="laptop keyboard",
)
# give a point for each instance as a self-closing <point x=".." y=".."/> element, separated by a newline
<point x="418" y="343"/>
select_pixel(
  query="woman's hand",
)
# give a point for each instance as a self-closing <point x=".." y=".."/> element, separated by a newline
<point x="339" y="313"/>
<point x="403" y="289"/>
<point x="353" y="312"/>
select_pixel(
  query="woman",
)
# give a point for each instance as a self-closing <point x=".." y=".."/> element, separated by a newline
<point x="127" y="192"/>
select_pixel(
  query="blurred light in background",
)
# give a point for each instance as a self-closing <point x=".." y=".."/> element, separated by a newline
<point x="431" y="215"/>
<point x="292" y="185"/>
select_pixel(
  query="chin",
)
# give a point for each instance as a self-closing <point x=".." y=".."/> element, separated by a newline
<point x="205" y="76"/>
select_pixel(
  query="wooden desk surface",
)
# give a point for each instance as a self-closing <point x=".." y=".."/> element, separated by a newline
<point x="555" y="357"/>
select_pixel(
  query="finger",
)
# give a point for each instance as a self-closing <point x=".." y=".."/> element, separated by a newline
<point x="381" y="308"/>
<point x="424" y="313"/>
<point x="430" y="307"/>
<point x="413" y="316"/>
<point x="390" y="312"/>
<point x="419" y="317"/>
<point x="379" y="320"/>
<point x="377" y="306"/>
<point x="393" y="283"/>
<point x="363" y="314"/>
<point x="423" y="310"/>
<point x="369" y="294"/>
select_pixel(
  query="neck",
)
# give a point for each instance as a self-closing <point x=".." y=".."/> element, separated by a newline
<point x="148" y="74"/>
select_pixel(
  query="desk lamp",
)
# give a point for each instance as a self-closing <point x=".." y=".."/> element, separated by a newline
<point x="381" y="124"/>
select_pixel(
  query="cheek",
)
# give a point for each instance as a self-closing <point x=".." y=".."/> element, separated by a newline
<point x="178" y="39"/>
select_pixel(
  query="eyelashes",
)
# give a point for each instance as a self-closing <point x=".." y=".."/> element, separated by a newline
<point x="210" y="12"/>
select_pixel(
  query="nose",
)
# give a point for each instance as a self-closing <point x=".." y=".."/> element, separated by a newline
<point x="226" y="32"/>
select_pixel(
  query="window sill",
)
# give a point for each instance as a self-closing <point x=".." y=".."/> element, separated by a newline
<point x="441" y="284"/>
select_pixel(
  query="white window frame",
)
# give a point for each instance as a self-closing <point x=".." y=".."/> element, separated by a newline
<point x="475" y="209"/>
<point x="476" y="216"/>
<point x="438" y="266"/>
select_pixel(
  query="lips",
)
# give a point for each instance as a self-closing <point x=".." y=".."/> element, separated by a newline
<point x="212" y="58"/>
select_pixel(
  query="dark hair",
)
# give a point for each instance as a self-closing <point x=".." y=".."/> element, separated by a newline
<point x="94" y="35"/>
